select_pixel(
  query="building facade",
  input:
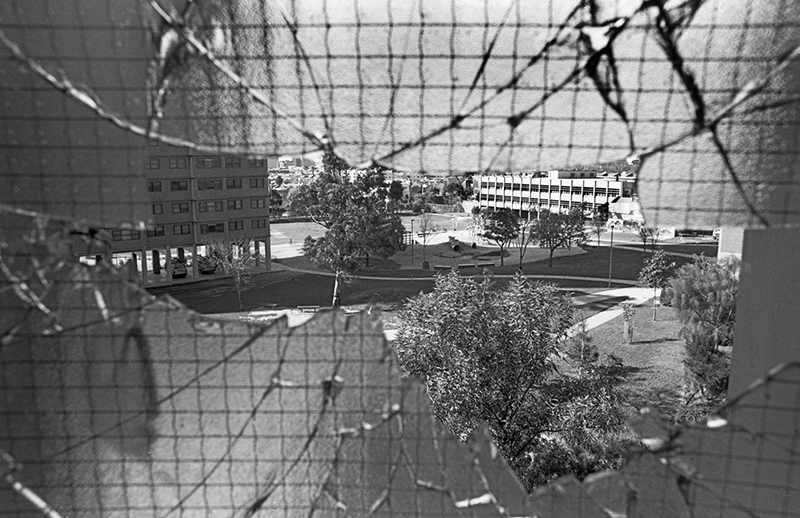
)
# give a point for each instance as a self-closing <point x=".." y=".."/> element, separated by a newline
<point x="528" y="193"/>
<point x="195" y="199"/>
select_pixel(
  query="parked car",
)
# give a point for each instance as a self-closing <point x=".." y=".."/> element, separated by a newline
<point x="178" y="268"/>
<point x="205" y="265"/>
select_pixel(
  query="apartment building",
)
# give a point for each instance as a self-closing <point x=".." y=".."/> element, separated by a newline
<point x="195" y="199"/>
<point x="552" y="190"/>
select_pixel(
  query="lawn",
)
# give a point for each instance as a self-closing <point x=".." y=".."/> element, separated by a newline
<point x="654" y="361"/>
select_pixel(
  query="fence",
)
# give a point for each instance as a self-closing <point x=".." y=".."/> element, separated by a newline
<point x="114" y="403"/>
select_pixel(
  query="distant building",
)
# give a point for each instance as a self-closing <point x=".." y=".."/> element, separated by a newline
<point x="195" y="198"/>
<point x="553" y="190"/>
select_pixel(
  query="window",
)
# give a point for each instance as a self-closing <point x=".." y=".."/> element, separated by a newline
<point x="258" y="223"/>
<point x="545" y="188"/>
<point x="180" y="207"/>
<point x="233" y="162"/>
<point x="205" y="185"/>
<point x="256" y="183"/>
<point x="154" y="163"/>
<point x="211" y="228"/>
<point x="185" y="228"/>
<point x="157" y="231"/>
<point x="576" y="190"/>
<point x="258" y="203"/>
<point x="125" y="235"/>
<point x="158" y="208"/>
<point x="209" y="206"/>
<point x="256" y="162"/>
<point x="535" y="188"/>
<point x="564" y="204"/>
<point x="177" y="163"/>
<point x="484" y="185"/>
<point x="589" y="191"/>
<point x="515" y="187"/>
<point x="179" y="185"/>
<point x="208" y="162"/>
<point x="154" y="186"/>
<point x="236" y="225"/>
<point x="233" y="183"/>
<point x="526" y="187"/>
<point x="601" y="191"/>
<point x="613" y="192"/>
<point x="234" y="204"/>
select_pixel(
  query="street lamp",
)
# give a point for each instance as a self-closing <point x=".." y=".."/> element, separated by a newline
<point x="610" y="255"/>
<point x="412" y="241"/>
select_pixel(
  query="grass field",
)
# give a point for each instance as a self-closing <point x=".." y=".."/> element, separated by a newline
<point x="654" y="361"/>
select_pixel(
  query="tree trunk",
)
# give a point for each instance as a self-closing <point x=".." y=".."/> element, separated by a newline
<point x="520" y="259"/>
<point x="627" y="331"/>
<point x="550" y="263"/>
<point x="238" y="281"/>
<point x="654" y="305"/>
<point x="501" y="256"/>
<point x="337" y="301"/>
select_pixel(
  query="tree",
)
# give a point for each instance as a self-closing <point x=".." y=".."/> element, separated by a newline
<point x="525" y="236"/>
<point x="275" y="201"/>
<point x="454" y="192"/>
<point x="655" y="274"/>
<point x="355" y="215"/>
<point x="648" y="234"/>
<point x="232" y="256"/>
<point x="475" y="225"/>
<point x="278" y="181"/>
<point x="599" y="219"/>
<point x="704" y="294"/>
<point x="501" y="227"/>
<point x="396" y="190"/>
<point x="489" y="356"/>
<point x="556" y="230"/>
<point x="426" y="228"/>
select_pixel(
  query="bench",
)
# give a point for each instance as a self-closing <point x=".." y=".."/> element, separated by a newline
<point x="470" y="265"/>
<point x="478" y="265"/>
<point x="441" y="267"/>
<point x="308" y="309"/>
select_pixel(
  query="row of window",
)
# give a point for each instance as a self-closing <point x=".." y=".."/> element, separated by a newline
<point x="564" y="204"/>
<point x="204" y="185"/>
<point x="180" y="162"/>
<point x="211" y="206"/>
<point x="565" y="189"/>
<point x="185" y="229"/>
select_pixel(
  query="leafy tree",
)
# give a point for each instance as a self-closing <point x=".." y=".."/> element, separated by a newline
<point x="525" y="236"/>
<point x="501" y="227"/>
<point x="599" y="219"/>
<point x="454" y="192"/>
<point x="356" y="218"/>
<point x="275" y="201"/>
<point x="232" y="256"/>
<point x="278" y="181"/>
<point x="490" y="356"/>
<point x="704" y="294"/>
<point x="427" y="228"/>
<point x="557" y="230"/>
<point x="656" y="273"/>
<point x="396" y="190"/>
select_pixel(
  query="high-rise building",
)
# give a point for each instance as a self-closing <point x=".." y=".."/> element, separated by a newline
<point x="195" y="199"/>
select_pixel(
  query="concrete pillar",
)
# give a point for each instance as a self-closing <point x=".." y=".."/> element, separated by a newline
<point x="168" y="263"/>
<point x="181" y="254"/>
<point x="267" y="252"/>
<point x="133" y="261"/>
<point x="257" y="251"/>
<point x="144" y="266"/>
<point x="98" y="258"/>
<point x="156" y="262"/>
<point x="195" y="271"/>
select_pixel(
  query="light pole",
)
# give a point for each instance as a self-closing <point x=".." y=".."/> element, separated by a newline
<point x="412" y="241"/>
<point x="610" y="255"/>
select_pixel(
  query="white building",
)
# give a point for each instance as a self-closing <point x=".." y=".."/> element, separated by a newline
<point x="553" y="190"/>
